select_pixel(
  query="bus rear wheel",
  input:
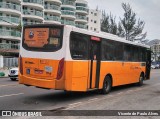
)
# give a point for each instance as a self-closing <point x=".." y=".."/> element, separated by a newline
<point x="107" y="85"/>
<point x="141" y="79"/>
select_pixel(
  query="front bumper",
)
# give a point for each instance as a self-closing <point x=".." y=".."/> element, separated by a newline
<point x="13" y="76"/>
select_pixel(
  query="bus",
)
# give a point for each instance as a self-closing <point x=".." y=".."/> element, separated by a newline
<point x="63" y="57"/>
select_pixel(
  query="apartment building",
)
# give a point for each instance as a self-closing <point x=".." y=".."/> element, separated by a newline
<point x="94" y="20"/>
<point x="16" y="13"/>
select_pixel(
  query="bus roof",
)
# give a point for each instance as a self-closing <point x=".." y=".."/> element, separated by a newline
<point x="107" y="36"/>
<point x="97" y="34"/>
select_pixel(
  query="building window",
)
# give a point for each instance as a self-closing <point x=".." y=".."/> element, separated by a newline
<point x="91" y="20"/>
<point x="91" y="12"/>
<point x="91" y="28"/>
<point x="95" y="21"/>
<point x="95" y="29"/>
<point x="95" y="14"/>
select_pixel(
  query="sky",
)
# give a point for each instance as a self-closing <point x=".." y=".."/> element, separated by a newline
<point x="146" y="10"/>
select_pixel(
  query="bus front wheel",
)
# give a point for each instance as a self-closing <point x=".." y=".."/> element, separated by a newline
<point x="107" y="85"/>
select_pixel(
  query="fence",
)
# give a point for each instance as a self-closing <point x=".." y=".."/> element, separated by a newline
<point x="10" y="62"/>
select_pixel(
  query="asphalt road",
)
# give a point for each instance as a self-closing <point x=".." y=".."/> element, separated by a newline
<point x="19" y="97"/>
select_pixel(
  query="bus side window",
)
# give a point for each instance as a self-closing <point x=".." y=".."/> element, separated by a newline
<point x="108" y="50"/>
<point x="118" y="51"/>
<point x="79" y="46"/>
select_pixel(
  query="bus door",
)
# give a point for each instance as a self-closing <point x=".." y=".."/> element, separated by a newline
<point x="95" y="57"/>
<point x="148" y="64"/>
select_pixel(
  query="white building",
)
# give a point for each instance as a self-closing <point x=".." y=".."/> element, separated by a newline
<point x="94" y="20"/>
<point x="10" y="17"/>
<point x="32" y="11"/>
<point x="81" y="14"/>
<point x="52" y="11"/>
<point x="156" y="50"/>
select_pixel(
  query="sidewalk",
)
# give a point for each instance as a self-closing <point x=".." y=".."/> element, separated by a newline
<point x="6" y="71"/>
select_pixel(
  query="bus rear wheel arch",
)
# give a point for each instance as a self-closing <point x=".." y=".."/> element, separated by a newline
<point x="107" y="84"/>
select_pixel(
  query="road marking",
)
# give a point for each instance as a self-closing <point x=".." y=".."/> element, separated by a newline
<point x="11" y="95"/>
<point x="93" y="99"/>
<point x="75" y="103"/>
<point x="107" y="97"/>
<point x="8" y="85"/>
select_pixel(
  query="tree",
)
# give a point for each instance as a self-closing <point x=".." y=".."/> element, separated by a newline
<point x="130" y="26"/>
<point x="19" y="27"/>
<point x="108" y="23"/>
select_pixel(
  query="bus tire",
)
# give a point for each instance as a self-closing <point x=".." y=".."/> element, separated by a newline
<point x="107" y="85"/>
<point x="141" y="79"/>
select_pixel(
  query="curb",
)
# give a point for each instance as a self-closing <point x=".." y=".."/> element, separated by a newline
<point x="4" y="77"/>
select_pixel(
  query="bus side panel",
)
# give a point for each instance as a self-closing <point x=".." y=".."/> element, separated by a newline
<point x="79" y="76"/>
<point x="108" y="68"/>
<point x="135" y="71"/>
<point x="122" y="73"/>
<point x="68" y="75"/>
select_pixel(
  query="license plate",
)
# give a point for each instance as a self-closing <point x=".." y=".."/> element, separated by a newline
<point x="48" y="69"/>
<point x="38" y="72"/>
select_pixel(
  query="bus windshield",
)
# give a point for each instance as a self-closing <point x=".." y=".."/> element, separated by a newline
<point x="42" y="39"/>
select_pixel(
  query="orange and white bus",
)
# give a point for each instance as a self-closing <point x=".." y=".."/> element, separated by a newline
<point x="67" y="58"/>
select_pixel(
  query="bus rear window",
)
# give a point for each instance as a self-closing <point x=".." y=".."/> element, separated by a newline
<point x="42" y="39"/>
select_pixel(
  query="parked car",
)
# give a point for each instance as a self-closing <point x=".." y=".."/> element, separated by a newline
<point x="13" y="74"/>
<point x="155" y="65"/>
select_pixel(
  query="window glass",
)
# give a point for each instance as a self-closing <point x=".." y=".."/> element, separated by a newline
<point x="79" y="46"/>
<point x="144" y="53"/>
<point x="108" y="50"/>
<point x="135" y="54"/>
<point x="118" y="51"/>
<point x="140" y="54"/>
<point x="127" y="55"/>
<point x="42" y="39"/>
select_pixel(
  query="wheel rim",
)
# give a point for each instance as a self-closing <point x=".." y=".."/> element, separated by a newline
<point x="141" y="79"/>
<point x="106" y="86"/>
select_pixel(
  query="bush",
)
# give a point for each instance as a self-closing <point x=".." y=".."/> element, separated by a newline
<point x="2" y="74"/>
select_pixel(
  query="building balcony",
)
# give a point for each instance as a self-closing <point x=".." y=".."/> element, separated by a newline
<point x="67" y="2"/>
<point x="4" y="20"/>
<point x="68" y="14"/>
<point x="80" y="18"/>
<point x="9" y="46"/>
<point x="10" y="34"/>
<point x="33" y="14"/>
<point x="68" y="22"/>
<point x="52" y="19"/>
<point x="54" y="9"/>
<point x="58" y="2"/>
<point x="10" y="8"/>
<point x="34" y="3"/>
<point x="82" y="10"/>
<point x="81" y="26"/>
<point x="40" y="2"/>
<point x="30" y="23"/>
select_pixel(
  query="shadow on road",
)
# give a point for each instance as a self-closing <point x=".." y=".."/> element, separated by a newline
<point x="63" y="96"/>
